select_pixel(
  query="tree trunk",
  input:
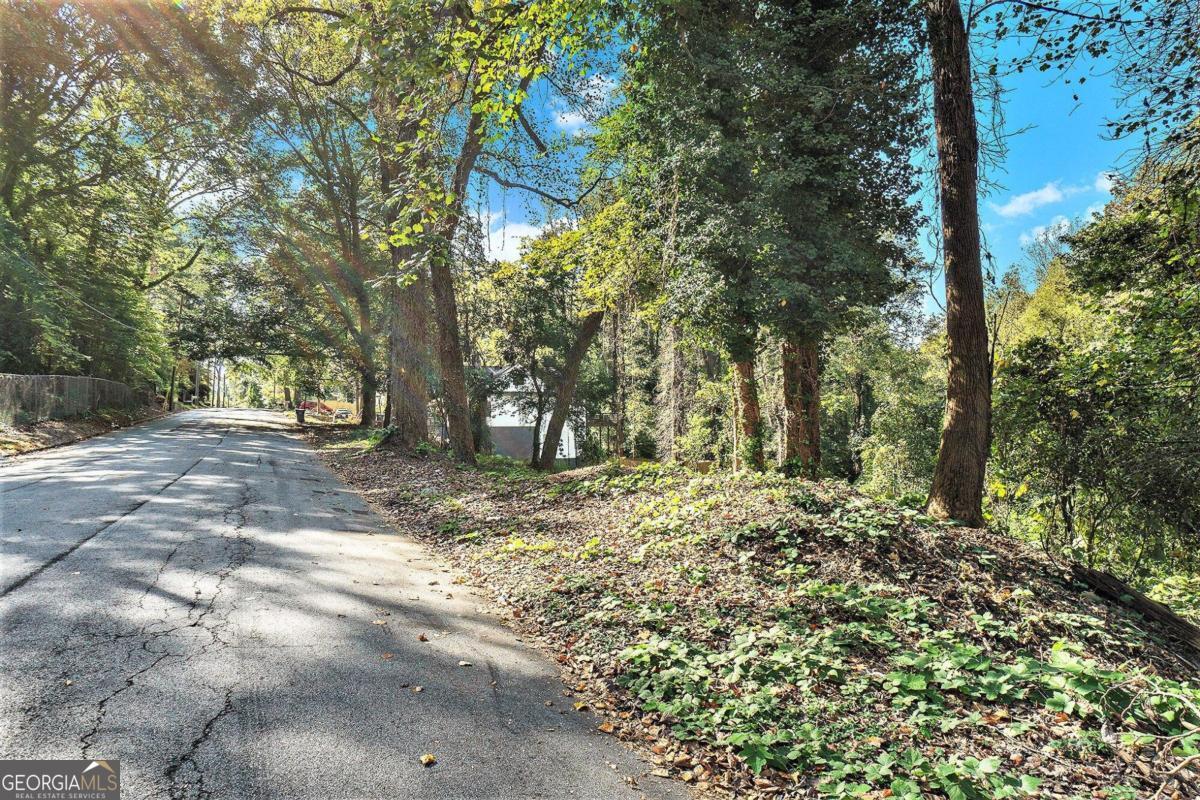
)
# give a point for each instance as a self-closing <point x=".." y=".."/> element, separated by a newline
<point x="863" y="411"/>
<point x="618" y="387"/>
<point x="957" y="491"/>
<point x="408" y="353"/>
<point x="672" y="405"/>
<point x="409" y="384"/>
<point x="287" y="397"/>
<point x="387" y="397"/>
<point x="564" y="393"/>
<point x="750" y="415"/>
<point x="370" y="386"/>
<point x="802" y="406"/>
<point x="450" y="358"/>
<point x="171" y="391"/>
<point x="539" y="413"/>
<point x="480" y="412"/>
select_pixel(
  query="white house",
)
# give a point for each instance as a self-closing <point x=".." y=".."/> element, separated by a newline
<point x="511" y="428"/>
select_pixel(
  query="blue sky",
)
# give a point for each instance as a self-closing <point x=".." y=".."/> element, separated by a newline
<point x="1056" y="167"/>
<point x="1058" y="164"/>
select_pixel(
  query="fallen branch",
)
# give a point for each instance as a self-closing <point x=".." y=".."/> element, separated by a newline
<point x="1120" y="592"/>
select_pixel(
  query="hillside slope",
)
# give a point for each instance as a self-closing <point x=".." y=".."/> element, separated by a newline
<point x="764" y="635"/>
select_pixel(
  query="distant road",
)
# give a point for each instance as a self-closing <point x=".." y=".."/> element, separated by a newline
<point x="200" y="598"/>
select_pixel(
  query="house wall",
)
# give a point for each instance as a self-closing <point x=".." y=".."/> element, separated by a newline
<point x="512" y="431"/>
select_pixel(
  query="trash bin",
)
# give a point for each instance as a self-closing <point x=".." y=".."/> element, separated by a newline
<point x="300" y="415"/>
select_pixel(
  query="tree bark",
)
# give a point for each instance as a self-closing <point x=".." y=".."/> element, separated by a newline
<point x="564" y="393"/>
<point x="750" y="451"/>
<point x="171" y="391"/>
<point x="480" y="411"/>
<point x="370" y="386"/>
<point x="409" y="383"/>
<point x="408" y="357"/>
<point x="387" y="394"/>
<point x="957" y="491"/>
<point x="618" y="374"/>
<point x="450" y="358"/>
<point x="802" y="405"/>
<point x="368" y="380"/>
<point x="860" y="385"/>
<point x="671" y="399"/>
<point x="445" y="304"/>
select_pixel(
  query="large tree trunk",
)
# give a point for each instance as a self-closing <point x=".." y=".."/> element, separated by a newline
<point x="957" y="491"/>
<point x="450" y="358"/>
<point x="564" y="393"/>
<point x="408" y="346"/>
<point x="409" y="384"/>
<point x="802" y="405"/>
<point x="750" y="450"/>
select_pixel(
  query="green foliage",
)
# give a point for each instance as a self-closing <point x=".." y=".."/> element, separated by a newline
<point x="884" y="396"/>
<point x="751" y="696"/>
<point x="1096" y="423"/>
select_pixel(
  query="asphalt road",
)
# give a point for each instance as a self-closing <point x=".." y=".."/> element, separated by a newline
<point x="200" y="598"/>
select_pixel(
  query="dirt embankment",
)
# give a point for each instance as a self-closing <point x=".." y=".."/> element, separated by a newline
<point x="52" y="433"/>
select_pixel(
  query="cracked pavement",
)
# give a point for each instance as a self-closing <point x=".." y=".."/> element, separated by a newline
<point x="200" y="598"/>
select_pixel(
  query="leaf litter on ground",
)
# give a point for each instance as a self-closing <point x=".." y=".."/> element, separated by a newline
<point x="756" y="635"/>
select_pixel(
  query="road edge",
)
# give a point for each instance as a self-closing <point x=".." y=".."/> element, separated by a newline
<point x="6" y="458"/>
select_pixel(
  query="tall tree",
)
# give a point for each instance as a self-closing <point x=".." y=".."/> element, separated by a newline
<point x="957" y="491"/>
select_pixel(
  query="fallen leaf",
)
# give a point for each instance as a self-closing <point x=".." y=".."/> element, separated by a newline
<point x="428" y="760"/>
<point x="388" y="656"/>
<point x="580" y="706"/>
<point x="422" y="638"/>
<point x="605" y="727"/>
<point x="418" y="689"/>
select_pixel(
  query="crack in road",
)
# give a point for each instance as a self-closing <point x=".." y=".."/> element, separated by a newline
<point x="179" y="791"/>
<point x="237" y="549"/>
<point x="17" y="584"/>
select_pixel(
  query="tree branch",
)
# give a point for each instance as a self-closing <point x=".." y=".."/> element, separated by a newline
<point x="562" y="201"/>
<point x="531" y="133"/>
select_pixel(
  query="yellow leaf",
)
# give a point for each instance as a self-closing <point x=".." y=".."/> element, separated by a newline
<point x="428" y="760"/>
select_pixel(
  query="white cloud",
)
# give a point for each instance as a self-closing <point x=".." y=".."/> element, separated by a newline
<point x="1093" y="210"/>
<point x="569" y="119"/>
<point x="1103" y="183"/>
<point x="1028" y="202"/>
<point x="504" y="241"/>
<point x="1058" y="225"/>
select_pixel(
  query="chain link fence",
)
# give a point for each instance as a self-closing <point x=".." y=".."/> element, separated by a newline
<point x="27" y="399"/>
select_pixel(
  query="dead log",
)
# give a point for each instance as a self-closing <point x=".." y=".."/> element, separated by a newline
<point x="1113" y="588"/>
